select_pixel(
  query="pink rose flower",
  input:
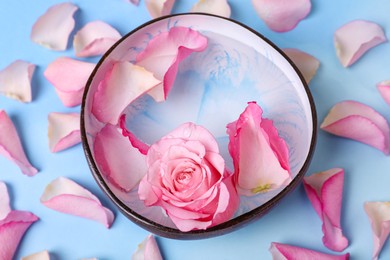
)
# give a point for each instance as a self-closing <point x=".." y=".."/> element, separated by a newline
<point x="188" y="179"/>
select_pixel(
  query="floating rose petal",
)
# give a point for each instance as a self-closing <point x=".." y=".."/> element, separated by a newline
<point x="217" y="7"/>
<point x="306" y="63"/>
<point x="64" y="131"/>
<point x="384" y="89"/>
<point x="15" y="80"/>
<point x="69" y="77"/>
<point x="159" y="8"/>
<point x="379" y="215"/>
<point x="355" y="38"/>
<point x="122" y="85"/>
<point x="359" y="122"/>
<point x="11" y="147"/>
<point x="281" y="16"/>
<point x="95" y="38"/>
<point x="148" y="249"/>
<point x="287" y="252"/>
<point x="135" y="142"/>
<point x="325" y="191"/>
<point x="53" y="28"/>
<point x="169" y="48"/>
<point x="5" y="207"/>
<point x="68" y="197"/>
<point x="43" y="255"/>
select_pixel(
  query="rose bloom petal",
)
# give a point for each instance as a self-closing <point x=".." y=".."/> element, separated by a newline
<point x="379" y="215"/>
<point x="53" y="28"/>
<point x="69" y="77"/>
<point x="217" y="7"/>
<point x="384" y="90"/>
<point x="306" y="63"/>
<point x="12" y="229"/>
<point x="357" y="121"/>
<point x="11" y="147"/>
<point x="157" y="8"/>
<point x="281" y="251"/>
<point x="259" y="155"/>
<point x="148" y="249"/>
<point x="43" y="255"/>
<point x="325" y="192"/>
<point x="95" y="38"/>
<point x="122" y="85"/>
<point x="66" y="196"/>
<point x="15" y="80"/>
<point x="5" y="207"/>
<point x="170" y="48"/>
<point x="64" y="131"/>
<point x="355" y="38"/>
<point x="281" y="16"/>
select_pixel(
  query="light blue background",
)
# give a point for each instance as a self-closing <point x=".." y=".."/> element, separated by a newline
<point x="367" y="175"/>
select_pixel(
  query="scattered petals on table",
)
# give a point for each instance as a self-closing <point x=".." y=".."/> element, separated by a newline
<point x="217" y="7"/>
<point x="281" y="251"/>
<point x="43" y="255"/>
<point x="5" y="207"/>
<point x="157" y="8"/>
<point x="63" y="130"/>
<point x="147" y="250"/>
<point x="306" y="63"/>
<point x="384" y="90"/>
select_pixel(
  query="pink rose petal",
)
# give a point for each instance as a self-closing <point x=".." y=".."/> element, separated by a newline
<point x="169" y="48"/>
<point x="148" y="249"/>
<point x="69" y="77"/>
<point x="43" y="255"/>
<point x="384" y="89"/>
<point x="359" y="122"/>
<point x="5" y="207"/>
<point x="15" y="80"/>
<point x="355" y="38"/>
<point x="325" y="191"/>
<point x="157" y="8"/>
<point x="64" y="131"/>
<point x="379" y="215"/>
<point x="122" y="85"/>
<point x="307" y="64"/>
<point x="68" y="197"/>
<point x="217" y="7"/>
<point x="282" y="16"/>
<point x="95" y="38"/>
<point x="53" y="28"/>
<point x="135" y="142"/>
<point x="124" y="174"/>
<point x="11" y="147"/>
<point x="288" y="252"/>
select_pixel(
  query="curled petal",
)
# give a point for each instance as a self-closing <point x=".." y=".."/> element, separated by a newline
<point x="11" y="147"/>
<point x="53" y="28"/>
<point x="325" y="191"/>
<point x="217" y="7"/>
<point x="169" y="48"/>
<point x="64" y="131"/>
<point x="15" y="80"/>
<point x="157" y="8"/>
<point x="68" y="197"/>
<point x="379" y="215"/>
<point x="384" y="89"/>
<point x="43" y="255"/>
<point x="355" y="38"/>
<point x="287" y="252"/>
<point x="281" y="16"/>
<point x="5" y="207"/>
<point x="359" y="122"/>
<point x="135" y="142"/>
<point x="122" y="85"/>
<point x="148" y="249"/>
<point x="69" y="76"/>
<point x="306" y="63"/>
<point x="95" y="38"/>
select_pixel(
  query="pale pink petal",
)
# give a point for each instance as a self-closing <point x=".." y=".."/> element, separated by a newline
<point x="379" y="215"/>
<point x="5" y="207"/>
<point x="122" y="85"/>
<point x="95" y="38"/>
<point x="63" y="130"/>
<point x="43" y="255"/>
<point x="15" y="80"/>
<point x="69" y="77"/>
<point x="282" y="15"/>
<point x="12" y="229"/>
<point x="287" y="252"/>
<point x="217" y="7"/>
<point x="325" y="192"/>
<point x="147" y="250"/>
<point x="135" y="142"/>
<point x="306" y="63"/>
<point x="124" y="174"/>
<point x="359" y="122"/>
<point x="169" y="48"/>
<point x="11" y="147"/>
<point x="355" y="38"/>
<point x="134" y="2"/>
<point x="157" y="8"/>
<point x="68" y="197"/>
<point x="384" y="89"/>
<point x="53" y="28"/>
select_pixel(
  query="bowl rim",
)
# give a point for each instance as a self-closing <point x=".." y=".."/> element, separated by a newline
<point x="231" y="224"/>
